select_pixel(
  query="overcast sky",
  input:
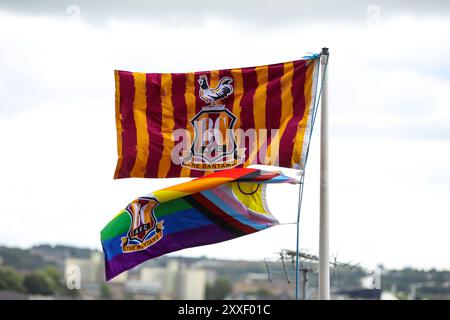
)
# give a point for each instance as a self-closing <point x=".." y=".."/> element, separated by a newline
<point x="389" y="101"/>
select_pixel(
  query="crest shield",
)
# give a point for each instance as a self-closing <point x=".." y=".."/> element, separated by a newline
<point x="143" y="220"/>
<point x="213" y="135"/>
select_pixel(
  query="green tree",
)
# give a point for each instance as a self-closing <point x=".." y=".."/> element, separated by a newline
<point x="45" y="281"/>
<point x="20" y="259"/>
<point x="219" y="290"/>
<point x="10" y="280"/>
<point x="38" y="283"/>
<point x="263" y="293"/>
<point x="55" y="279"/>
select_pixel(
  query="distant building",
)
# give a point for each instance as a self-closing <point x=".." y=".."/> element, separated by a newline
<point x="211" y="276"/>
<point x="90" y="269"/>
<point x="191" y="284"/>
<point x="140" y="290"/>
<point x="91" y="275"/>
<point x="253" y="285"/>
<point x="175" y="281"/>
<point x="154" y="275"/>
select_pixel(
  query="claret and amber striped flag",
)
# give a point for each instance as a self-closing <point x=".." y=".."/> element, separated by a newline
<point x="191" y="124"/>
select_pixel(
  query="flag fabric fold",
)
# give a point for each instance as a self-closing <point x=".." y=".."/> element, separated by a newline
<point x="190" y="124"/>
<point x="220" y="206"/>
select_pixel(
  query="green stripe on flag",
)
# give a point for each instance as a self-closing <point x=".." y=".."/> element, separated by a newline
<point x="170" y="207"/>
<point x="118" y="225"/>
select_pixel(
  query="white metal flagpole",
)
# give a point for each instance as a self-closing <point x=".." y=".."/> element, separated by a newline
<point x="324" y="250"/>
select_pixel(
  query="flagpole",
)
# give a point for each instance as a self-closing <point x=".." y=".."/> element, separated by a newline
<point x="324" y="249"/>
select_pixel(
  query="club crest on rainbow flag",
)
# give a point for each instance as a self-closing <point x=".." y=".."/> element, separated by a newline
<point x="145" y="229"/>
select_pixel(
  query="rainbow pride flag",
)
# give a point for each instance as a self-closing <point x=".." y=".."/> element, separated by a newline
<point x="220" y="206"/>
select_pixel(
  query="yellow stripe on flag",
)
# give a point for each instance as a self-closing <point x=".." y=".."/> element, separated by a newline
<point x="140" y="119"/>
<point x="214" y="79"/>
<point x="259" y="111"/>
<point x="167" y="124"/>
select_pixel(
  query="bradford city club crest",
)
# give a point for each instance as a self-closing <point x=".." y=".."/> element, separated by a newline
<point x="214" y="145"/>
<point x="145" y="229"/>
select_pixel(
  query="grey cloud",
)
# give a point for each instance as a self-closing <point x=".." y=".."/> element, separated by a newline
<point x="264" y="12"/>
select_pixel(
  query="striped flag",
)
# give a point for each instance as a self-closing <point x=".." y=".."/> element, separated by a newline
<point x="220" y="206"/>
<point x="191" y="124"/>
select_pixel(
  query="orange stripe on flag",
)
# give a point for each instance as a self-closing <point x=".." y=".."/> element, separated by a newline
<point x="140" y="118"/>
<point x="167" y="124"/>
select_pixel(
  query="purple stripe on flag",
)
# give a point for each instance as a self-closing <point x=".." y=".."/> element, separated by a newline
<point x="185" y="239"/>
<point x="129" y="135"/>
<point x="154" y="120"/>
<point x="250" y="83"/>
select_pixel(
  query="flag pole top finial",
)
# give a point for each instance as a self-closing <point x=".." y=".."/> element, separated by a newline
<point x="324" y="56"/>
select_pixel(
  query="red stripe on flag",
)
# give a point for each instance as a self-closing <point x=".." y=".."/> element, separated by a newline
<point x="273" y="100"/>
<point x="234" y="173"/>
<point x="298" y="98"/>
<point x="180" y="114"/>
<point x="266" y="177"/>
<point x="129" y="135"/>
<point x="154" y="120"/>
<point x="250" y="83"/>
